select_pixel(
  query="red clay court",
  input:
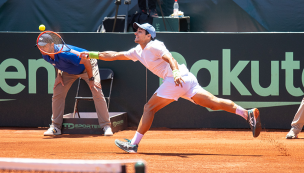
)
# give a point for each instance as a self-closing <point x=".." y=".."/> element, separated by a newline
<point x="167" y="150"/>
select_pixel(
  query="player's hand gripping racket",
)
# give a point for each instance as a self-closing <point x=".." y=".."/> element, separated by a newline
<point x="51" y="43"/>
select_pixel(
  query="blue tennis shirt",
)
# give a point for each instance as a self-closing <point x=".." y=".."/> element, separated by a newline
<point x="67" y="61"/>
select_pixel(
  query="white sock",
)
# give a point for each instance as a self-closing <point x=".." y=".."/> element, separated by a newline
<point x="241" y="112"/>
<point x="136" y="139"/>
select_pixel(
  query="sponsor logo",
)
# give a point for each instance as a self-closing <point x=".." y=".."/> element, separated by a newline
<point x="230" y="77"/>
<point x="219" y="84"/>
<point x="118" y="123"/>
<point x="157" y="27"/>
<point x="80" y="126"/>
<point x="20" y="74"/>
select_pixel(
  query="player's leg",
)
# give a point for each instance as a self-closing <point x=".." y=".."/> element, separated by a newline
<point x="297" y="123"/>
<point x="161" y="98"/>
<point x="164" y="95"/>
<point x="206" y="99"/>
<point x="154" y="104"/>
<point x="58" y="103"/>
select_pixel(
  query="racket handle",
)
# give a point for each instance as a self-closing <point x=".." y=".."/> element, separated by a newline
<point x="75" y="52"/>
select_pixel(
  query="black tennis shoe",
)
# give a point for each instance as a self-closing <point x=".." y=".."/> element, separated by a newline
<point x="126" y="146"/>
<point x="254" y="121"/>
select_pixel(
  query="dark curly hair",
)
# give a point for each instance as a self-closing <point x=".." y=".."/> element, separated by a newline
<point x="151" y="36"/>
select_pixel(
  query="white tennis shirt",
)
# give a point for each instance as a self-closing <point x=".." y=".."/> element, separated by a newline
<point x="151" y="58"/>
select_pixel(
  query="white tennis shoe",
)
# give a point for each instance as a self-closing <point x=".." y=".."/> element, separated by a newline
<point x="52" y="131"/>
<point x="293" y="133"/>
<point x="107" y="131"/>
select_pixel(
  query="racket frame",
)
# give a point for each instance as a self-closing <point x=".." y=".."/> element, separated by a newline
<point x="60" y="51"/>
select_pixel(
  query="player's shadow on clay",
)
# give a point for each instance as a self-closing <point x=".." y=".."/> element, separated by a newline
<point x="295" y="139"/>
<point x="72" y="136"/>
<point x="185" y="155"/>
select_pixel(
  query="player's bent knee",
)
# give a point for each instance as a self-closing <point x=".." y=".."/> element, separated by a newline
<point x="149" y="108"/>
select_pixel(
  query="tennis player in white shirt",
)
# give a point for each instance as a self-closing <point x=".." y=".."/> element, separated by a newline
<point x="178" y="82"/>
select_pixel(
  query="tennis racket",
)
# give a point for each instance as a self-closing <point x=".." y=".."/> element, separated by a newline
<point x="51" y="43"/>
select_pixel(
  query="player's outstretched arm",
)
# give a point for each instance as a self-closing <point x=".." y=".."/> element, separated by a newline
<point x="105" y="56"/>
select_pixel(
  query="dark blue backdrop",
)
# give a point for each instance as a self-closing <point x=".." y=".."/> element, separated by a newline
<point x="205" y="15"/>
<point x="231" y="62"/>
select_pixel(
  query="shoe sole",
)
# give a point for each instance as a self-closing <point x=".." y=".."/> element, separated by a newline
<point x="108" y="134"/>
<point x="291" y="137"/>
<point x="258" y="127"/>
<point x="124" y="149"/>
<point x="51" y="134"/>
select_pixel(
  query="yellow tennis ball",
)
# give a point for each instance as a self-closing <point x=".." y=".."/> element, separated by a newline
<point x="41" y="27"/>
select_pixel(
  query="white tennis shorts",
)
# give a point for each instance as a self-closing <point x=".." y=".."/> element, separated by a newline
<point x="169" y="90"/>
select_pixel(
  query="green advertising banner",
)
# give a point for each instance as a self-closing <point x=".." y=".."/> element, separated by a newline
<point x="262" y="70"/>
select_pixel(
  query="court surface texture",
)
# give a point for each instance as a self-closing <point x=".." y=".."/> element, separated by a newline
<point x="167" y="150"/>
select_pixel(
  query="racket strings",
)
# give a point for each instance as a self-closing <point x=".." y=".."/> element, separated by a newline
<point x="50" y="42"/>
